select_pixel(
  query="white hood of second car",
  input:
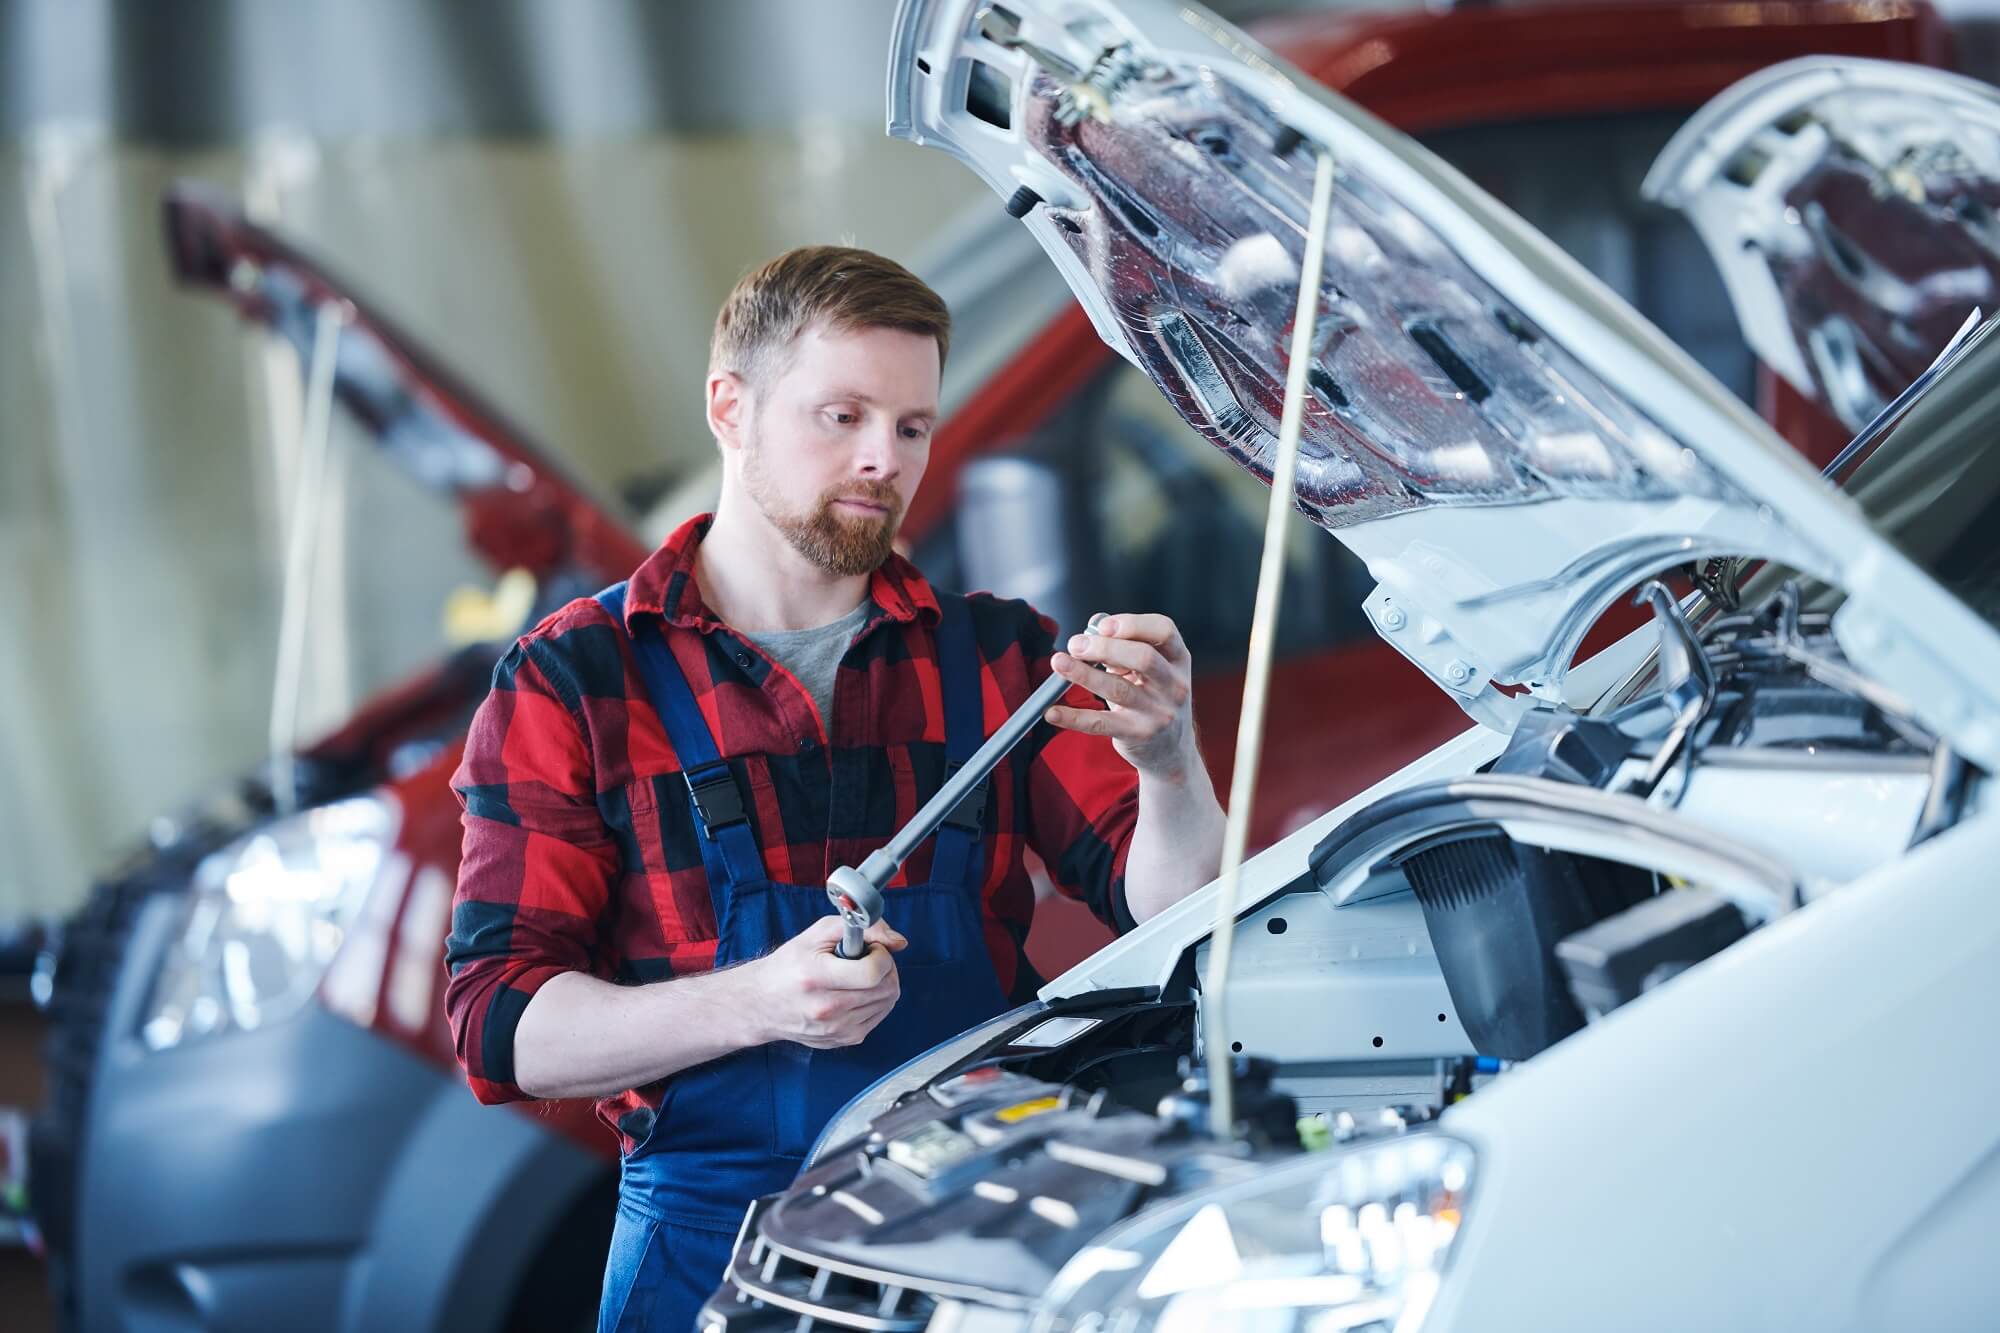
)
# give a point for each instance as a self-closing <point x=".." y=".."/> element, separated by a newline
<point x="1505" y="443"/>
<point x="1850" y="206"/>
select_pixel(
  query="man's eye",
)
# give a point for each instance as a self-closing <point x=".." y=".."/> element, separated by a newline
<point x="916" y="432"/>
<point x="844" y="418"/>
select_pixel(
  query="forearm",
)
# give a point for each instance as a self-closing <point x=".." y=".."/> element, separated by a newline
<point x="584" y="1037"/>
<point x="1176" y="841"/>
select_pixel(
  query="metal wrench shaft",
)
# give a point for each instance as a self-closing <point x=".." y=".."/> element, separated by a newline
<point x="857" y="894"/>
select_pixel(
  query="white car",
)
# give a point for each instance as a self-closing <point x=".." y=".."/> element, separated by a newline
<point x="1662" y="997"/>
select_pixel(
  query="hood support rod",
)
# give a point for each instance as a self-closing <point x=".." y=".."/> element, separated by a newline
<point x="301" y="551"/>
<point x="1257" y="673"/>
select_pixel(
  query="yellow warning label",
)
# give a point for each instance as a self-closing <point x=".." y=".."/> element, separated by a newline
<point x="1022" y="1111"/>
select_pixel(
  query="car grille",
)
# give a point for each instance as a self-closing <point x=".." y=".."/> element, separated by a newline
<point x="770" y="1289"/>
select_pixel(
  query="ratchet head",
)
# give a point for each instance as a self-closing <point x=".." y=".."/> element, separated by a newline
<point x="859" y="903"/>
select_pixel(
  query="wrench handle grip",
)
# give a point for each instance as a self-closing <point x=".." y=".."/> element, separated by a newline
<point x="883" y="863"/>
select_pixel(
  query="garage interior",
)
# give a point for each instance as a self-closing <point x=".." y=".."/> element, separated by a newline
<point x="235" y="589"/>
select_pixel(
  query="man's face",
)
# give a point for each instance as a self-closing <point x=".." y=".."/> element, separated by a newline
<point x="836" y="441"/>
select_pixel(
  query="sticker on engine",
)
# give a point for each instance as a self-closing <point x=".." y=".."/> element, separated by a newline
<point x="1015" y="1114"/>
<point x="1055" y="1032"/>
<point x="929" y="1149"/>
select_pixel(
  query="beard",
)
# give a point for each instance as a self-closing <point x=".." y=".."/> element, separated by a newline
<point x="842" y="544"/>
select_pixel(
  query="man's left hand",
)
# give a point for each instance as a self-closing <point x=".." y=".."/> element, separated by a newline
<point x="1145" y="687"/>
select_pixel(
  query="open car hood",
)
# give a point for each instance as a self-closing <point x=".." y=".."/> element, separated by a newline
<point x="1850" y="206"/>
<point x="520" y="507"/>
<point x="1505" y="443"/>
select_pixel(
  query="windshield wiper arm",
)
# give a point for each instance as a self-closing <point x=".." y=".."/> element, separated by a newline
<point x="1961" y="342"/>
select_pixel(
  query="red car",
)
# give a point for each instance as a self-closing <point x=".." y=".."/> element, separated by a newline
<point x="256" y="1119"/>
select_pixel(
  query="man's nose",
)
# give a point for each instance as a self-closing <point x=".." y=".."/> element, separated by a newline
<point x="877" y="455"/>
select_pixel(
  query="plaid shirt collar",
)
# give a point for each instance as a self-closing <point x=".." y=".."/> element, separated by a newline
<point x="665" y="586"/>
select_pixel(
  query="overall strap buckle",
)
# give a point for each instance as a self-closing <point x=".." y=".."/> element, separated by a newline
<point x="717" y="799"/>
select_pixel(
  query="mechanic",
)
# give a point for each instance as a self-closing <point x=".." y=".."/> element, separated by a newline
<point x="663" y="776"/>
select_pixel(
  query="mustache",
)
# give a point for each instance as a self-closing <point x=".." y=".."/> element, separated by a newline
<point x="867" y="492"/>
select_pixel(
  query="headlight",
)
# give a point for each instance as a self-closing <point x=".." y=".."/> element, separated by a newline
<point x="880" y="1095"/>
<point x="1354" y="1241"/>
<point x="264" y="918"/>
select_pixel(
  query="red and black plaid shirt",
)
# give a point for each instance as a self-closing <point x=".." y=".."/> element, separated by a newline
<point x="580" y="851"/>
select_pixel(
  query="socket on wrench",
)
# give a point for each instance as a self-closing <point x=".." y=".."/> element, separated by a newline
<point x="859" y="904"/>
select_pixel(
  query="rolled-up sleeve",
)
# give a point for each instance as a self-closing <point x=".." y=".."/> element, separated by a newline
<point x="537" y="869"/>
<point x="1083" y="800"/>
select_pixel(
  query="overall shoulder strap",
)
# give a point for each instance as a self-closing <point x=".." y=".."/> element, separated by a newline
<point x="722" y="821"/>
<point x="958" y="855"/>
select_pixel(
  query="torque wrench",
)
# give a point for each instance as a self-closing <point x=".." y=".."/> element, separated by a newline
<point x="857" y="894"/>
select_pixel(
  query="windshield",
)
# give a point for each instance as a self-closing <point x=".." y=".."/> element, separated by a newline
<point x="1923" y="477"/>
<point x="1932" y="486"/>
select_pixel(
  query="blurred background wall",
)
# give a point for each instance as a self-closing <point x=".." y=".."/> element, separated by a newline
<point x="554" y="195"/>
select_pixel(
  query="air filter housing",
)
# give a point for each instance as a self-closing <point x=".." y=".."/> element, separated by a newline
<point x="1496" y="910"/>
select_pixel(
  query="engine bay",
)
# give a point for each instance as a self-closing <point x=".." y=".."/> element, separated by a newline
<point x="1441" y="936"/>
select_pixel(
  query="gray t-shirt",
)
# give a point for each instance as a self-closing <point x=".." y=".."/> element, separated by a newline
<point x="813" y="655"/>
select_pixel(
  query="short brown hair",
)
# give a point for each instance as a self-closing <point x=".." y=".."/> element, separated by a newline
<point x="848" y="288"/>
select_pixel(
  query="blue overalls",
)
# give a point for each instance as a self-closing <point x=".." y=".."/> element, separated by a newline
<point x="739" y="1127"/>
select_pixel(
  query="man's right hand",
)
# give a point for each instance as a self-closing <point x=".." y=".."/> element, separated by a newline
<point x="815" y="997"/>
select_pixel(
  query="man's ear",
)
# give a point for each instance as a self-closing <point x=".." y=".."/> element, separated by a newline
<point x="728" y="407"/>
